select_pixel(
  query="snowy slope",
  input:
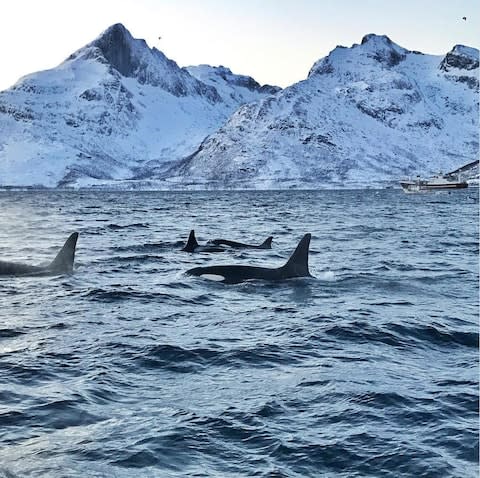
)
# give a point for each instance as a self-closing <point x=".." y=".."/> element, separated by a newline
<point x="115" y="109"/>
<point x="118" y="113"/>
<point x="370" y="113"/>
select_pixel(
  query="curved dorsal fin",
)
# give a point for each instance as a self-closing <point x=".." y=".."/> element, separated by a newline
<point x="297" y="265"/>
<point x="64" y="261"/>
<point x="267" y="243"/>
<point x="191" y="243"/>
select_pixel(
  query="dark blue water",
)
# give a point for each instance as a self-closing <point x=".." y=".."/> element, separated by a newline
<point x="130" y="368"/>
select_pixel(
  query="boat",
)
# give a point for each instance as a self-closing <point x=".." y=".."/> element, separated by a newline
<point x="440" y="182"/>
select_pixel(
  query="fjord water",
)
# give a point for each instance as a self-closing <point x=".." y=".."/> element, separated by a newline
<point x="129" y="367"/>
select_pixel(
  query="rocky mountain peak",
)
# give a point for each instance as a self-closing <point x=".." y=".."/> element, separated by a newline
<point x="382" y="49"/>
<point x="374" y="110"/>
<point x="378" y="48"/>
<point x="117" y="110"/>
<point x="461" y="57"/>
<point x="116" y="45"/>
<point x="133" y="58"/>
<point x="373" y="38"/>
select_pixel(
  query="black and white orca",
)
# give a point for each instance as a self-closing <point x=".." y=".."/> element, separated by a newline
<point x="193" y="246"/>
<point x="296" y="266"/>
<point x="62" y="264"/>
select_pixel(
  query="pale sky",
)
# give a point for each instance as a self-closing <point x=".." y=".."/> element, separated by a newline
<point x="274" y="41"/>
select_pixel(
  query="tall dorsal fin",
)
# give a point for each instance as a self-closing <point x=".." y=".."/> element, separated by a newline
<point x="63" y="263"/>
<point x="191" y="243"/>
<point x="297" y="265"/>
<point x="267" y="243"/>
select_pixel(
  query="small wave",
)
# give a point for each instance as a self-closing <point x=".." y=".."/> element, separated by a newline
<point x="271" y="409"/>
<point x="314" y="383"/>
<point x="390" y="303"/>
<point x="11" y="418"/>
<point x="137" y="225"/>
<point x="138" y="258"/>
<point x="363" y="332"/>
<point x="456" y="402"/>
<point x="9" y="333"/>
<point x="58" y="414"/>
<point x="456" y="383"/>
<point x="60" y="325"/>
<point x="181" y="359"/>
<point x="149" y="247"/>
<point x="118" y="295"/>
<point x="437" y="335"/>
<point x="24" y="373"/>
<point x="138" y="459"/>
<point x="8" y="290"/>
<point x="175" y="358"/>
<point x="383" y="399"/>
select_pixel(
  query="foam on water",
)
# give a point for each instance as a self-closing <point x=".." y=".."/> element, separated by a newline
<point x="327" y="276"/>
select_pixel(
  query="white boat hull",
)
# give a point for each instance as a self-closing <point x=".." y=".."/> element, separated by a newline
<point x="423" y="185"/>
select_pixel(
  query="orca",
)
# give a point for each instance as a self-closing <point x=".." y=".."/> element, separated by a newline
<point x="62" y="264"/>
<point x="193" y="246"/>
<point x="266" y="244"/>
<point x="296" y="266"/>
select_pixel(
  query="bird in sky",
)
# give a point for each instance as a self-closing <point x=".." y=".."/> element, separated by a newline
<point x="464" y="18"/>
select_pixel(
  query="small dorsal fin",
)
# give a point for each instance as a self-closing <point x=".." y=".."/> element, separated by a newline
<point x="267" y="243"/>
<point x="297" y="265"/>
<point x="63" y="263"/>
<point x="191" y="243"/>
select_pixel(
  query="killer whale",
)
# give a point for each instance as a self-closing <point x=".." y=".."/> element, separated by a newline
<point x="266" y="244"/>
<point x="296" y="266"/>
<point x="193" y="246"/>
<point x="62" y="264"/>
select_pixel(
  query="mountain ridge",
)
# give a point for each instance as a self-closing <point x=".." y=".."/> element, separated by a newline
<point x="113" y="110"/>
<point x="117" y="113"/>
<point x="371" y="113"/>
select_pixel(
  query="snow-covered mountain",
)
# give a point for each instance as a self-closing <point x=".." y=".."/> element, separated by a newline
<point x="366" y="114"/>
<point x="115" y="109"/>
<point x="118" y="113"/>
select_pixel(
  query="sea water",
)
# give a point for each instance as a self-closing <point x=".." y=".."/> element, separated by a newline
<point x="131" y="368"/>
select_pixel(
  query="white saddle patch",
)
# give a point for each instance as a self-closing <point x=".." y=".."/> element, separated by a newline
<point x="215" y="277"/>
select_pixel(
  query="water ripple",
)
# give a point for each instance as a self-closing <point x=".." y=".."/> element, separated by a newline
<point x="131" y="368"/>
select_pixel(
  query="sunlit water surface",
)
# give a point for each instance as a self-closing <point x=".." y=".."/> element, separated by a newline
<point x="130" y="368"/>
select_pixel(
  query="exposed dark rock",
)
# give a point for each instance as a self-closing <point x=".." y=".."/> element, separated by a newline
<point x="269" y="89"/>
<point x="324" y="68"/>
<point x="373" y="36"/>
<point x="455" y="59"/>
<point x="470" y="81"/>
<point x="115" y="47"/>
<point x="123" y="54"/>
<point x="430" y="123"/>
<point x="318" y="139"/>
<point x="390" y="57"/>
<point x="91" y="95"/>
<point x="16" y="113"/>
<point x="379" y="113"/>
